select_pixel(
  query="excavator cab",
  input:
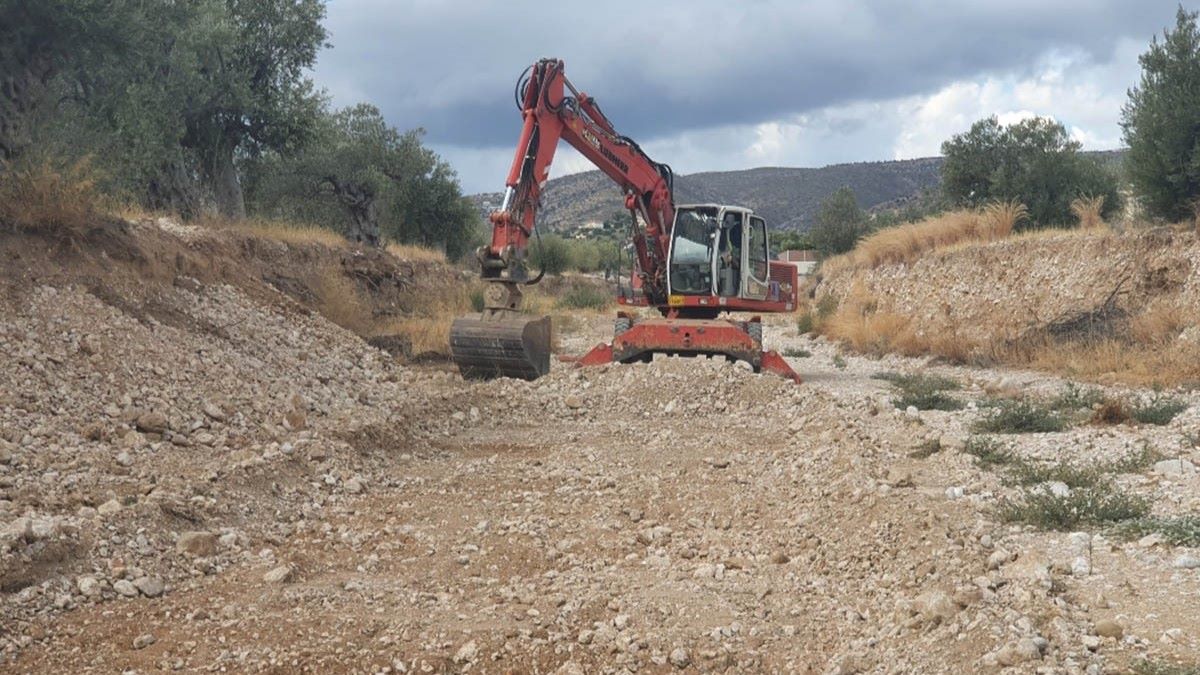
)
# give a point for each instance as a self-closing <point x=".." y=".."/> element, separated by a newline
<point x="719" y="251"/>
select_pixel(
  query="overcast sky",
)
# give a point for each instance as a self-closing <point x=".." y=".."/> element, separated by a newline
<point x="712" y="85"/>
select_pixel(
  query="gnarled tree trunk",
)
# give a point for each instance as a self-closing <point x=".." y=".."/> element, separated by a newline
<point x="222" y="177"/>
<point x="359" y="200"/>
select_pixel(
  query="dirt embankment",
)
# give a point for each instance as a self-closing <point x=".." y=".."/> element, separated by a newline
<point x="1018" y="300"/>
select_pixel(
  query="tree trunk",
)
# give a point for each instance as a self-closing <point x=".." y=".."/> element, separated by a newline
<point x="176" y="189"/>
<point x="222" y="178"/>
<point x="359" y="200"/>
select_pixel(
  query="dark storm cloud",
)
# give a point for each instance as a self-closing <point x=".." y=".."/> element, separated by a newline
<point x="661" y="68"/>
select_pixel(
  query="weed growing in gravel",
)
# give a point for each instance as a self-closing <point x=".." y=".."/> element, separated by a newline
<point x="988" y="451"/>
<point x="1158" y="409"/>
<point x="839" y="362"/>
<point x="1179" y="530"/>
<point x="1074" y="397"/>
<point x="1019" y="417"/>
<point x="585" y="297"/>
<point x="1100" y="504"/>
<point x="1147" y="667"/>
<point x="924" y="392"/>
<point x="1025" y="472"/>
<point x="806" y="323"/>
<point x="1111" y="411"/>
<point x="926" y="449"/>
<point x="797" y="353"/>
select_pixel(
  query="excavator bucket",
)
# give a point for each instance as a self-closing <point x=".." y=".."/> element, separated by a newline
<point x="501" y="344"/>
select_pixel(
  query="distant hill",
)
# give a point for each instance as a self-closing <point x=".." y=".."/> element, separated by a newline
<point x="787" y="197"/>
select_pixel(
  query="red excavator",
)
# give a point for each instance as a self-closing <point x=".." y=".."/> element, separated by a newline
<point x="692" y="262"/>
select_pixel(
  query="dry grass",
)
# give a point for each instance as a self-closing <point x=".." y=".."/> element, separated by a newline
<point x="1087" y="210"/>
<point x="906" y="243"/>
<point x="339" y="300"/>
<point x="62" y="201"/>
<point x="290" y="233"/>
<point x="416" y="253"/>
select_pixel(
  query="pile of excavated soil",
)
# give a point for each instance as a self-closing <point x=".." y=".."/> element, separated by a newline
<point x="200" y="474"/>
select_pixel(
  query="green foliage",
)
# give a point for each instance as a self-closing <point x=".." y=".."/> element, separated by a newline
<point x="1148" y="667"/>
<point x="826" y="306"/>
<point x="1099" y="504"/>
<point x="805" y="324"/>
<point x="1034" y="162"/>
<point x="585" y="296"/>
<point x="1018" y="417"/>
<point x="1075" y="398"/>
<point x="840" y="223"/>
<point x="988" y="451"/>
<point x="1158" y="410"/>
<point x="795" y="353"/>
<point x="924" y="392"/>
<point x="1178" y="530"/>
<point x="839" y="362"/>
<point x="551" y="254"/>
<point x="789" y="240"/>
<point x="1161" y="123"/>
<point x="360" y="176"/>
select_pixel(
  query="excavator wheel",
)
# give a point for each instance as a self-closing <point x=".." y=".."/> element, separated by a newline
<point x="501" y="343"/>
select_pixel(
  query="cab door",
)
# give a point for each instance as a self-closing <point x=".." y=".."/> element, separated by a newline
<point x="756" y="268"/>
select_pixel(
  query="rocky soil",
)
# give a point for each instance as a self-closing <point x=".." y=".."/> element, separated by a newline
<point x="220" y="480"/>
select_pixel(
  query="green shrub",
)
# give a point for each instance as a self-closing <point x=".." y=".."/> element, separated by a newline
<point x="1159" y="410"/>
<point x="477" y="302"/>
<point x="826" y="306"/>
<point x="1179" y="530"/>
<point x="797" y="353"/>
<point x="924" y="392"/>
<point x="806" y="323"/>
<point x="585" y="297"/>
<point x="1074" y="397"/>
<point x="988" y="451"/>
<point x="1148" y="667"/>
<point x="1024" y="472"/>
<point x="551" y="254"/>
<point x="839" y="362"/>
<point x="1019" y="417"/>
<point x="1100" y="504"/>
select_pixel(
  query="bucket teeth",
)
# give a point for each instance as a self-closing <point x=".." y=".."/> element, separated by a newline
<point x="501" y="344"/>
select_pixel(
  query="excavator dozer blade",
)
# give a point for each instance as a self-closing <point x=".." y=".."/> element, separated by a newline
<point x="501" y="344"/>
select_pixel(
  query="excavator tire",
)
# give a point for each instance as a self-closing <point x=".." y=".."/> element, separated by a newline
<point x="501" y="344"/>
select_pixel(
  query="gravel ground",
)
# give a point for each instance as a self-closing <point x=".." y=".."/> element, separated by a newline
<point x="247" y="487"/>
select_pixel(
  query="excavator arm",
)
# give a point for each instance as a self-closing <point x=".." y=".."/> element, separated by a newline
<point x="553" y="110"/>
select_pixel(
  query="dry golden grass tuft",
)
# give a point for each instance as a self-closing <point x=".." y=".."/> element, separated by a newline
<point x="339" y="301"/>
<point x="290" y="233"/>
<point x="906" y="243"/>
<point x="1088" y="211"/>
<point x="61" y="201"/>
<point x="416" y="253"/>
<point x="428" y="326"/>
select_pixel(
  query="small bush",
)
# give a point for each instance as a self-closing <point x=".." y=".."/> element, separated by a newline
<point x="924" y="392"/>
<point x="1074" y="397"/>
<point x="797" y="353"/>
<point x="826" y="307"/>
<point x="1020" y="417"/>
<point x="1178" y="530"/>
<point x="477" y="301"/>
<point x="926" y="449"/>
<point x="1147" y="667"/>
<point x="60" y="200"/>
<point x="806" y="323"/>
<point x="551" y="254"/>
<point x="585" y="297"/>
<point x="1159" y="410"/>
<point x="1032" y="473"/>
<point x="1110" y="412"/>
<point x="839" y="362"/>
<point x="1097" y="505"/>
<point x="988" y="452"/>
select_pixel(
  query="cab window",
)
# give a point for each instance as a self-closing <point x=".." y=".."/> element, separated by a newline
<point x="756" y="243"/>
